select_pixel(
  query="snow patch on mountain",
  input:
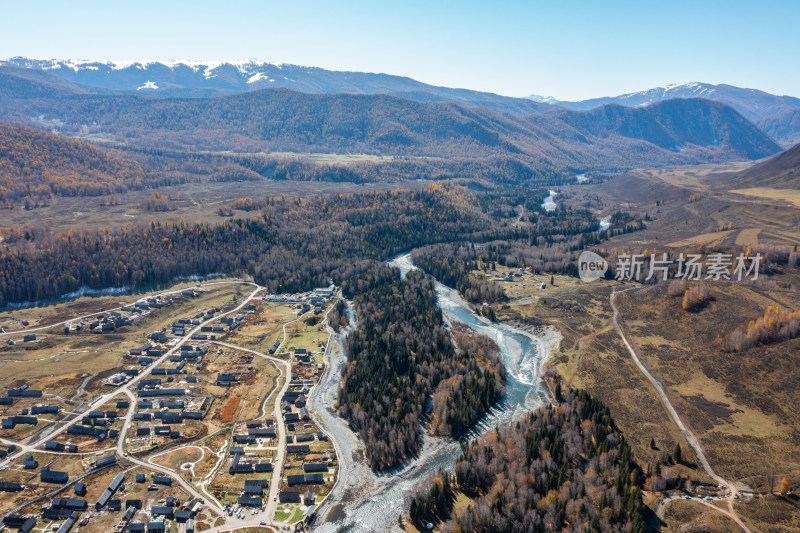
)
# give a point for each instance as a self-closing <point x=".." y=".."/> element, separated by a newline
<point x="543" y="99"/>
<point x="148" y="85"/>
<point x="258" y="76"/>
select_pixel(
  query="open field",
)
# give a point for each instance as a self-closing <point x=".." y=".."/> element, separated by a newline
<point x="771" y="514"/>
<point x="787" y="195"/>
<point x="705" y="238"/>
<point x="591" y="356"/>
<point x="748" y="237"/>
<point x="685" y="516"/>
<point x="740" y="405"/>
<point x="305" y="333"/>
<point x="196" y="202"/>
<point x="265" y="326"/>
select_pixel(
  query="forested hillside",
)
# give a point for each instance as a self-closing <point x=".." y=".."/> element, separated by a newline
<point x="296" y="244"/>
<point x="459" y="401"/>
<point x="399" y="356"/>
<point x="562" y="468"/>
<point x="35" y="165"/>
<point x="559" y="143"/>
<point x="544" y="241"/>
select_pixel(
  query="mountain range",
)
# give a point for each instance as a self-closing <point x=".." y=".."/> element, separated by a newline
<point x="213" y="108"/>
<point x="608" y="138"/>
<point x="194" y="79"/>
<point x="778" y="116"/>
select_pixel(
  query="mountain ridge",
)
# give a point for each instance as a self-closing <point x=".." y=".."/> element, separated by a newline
<point x="554" y="143"/>
<point x="777" y="115"/>
<point x="781" y="171"/>
<point x="161" y="78"/>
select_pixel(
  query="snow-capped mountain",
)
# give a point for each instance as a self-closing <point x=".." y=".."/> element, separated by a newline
<point x="779" y="116"/>
<point x="208" y="78"/>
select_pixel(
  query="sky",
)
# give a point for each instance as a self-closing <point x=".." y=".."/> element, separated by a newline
<point x="569" y="49"/>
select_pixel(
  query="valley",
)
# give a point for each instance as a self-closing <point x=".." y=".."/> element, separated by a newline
<point x="254" y="296"/>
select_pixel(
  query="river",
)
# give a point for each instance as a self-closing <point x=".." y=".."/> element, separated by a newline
<point x="549" y="203"/>
<point x="363" y="501"/>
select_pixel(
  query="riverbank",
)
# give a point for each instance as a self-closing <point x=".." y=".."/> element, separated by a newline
<point x="365" y="501"/>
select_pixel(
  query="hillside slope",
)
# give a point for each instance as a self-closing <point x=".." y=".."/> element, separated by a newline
<point x="560" y="142"/>
<point x="780" y="172"/>
<point x="779" y="116"/>
<point x="36" y="164"/>
<point x="673" y="124"/>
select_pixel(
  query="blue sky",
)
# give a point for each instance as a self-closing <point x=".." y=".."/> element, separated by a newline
<point x="570" y="49"/>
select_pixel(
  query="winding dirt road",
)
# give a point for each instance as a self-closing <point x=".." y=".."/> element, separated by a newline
<point x="693" y="441"/>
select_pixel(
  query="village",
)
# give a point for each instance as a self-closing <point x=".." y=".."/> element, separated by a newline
<point x="194" y="419"/>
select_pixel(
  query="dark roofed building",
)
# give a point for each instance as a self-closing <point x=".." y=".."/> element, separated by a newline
<point x="8" y="486"/>
<point x="136" y="504"/>
<point x="20" y="523"/>
<point x="289" y="497"/>
<point x="162" y="510"/>
<point x="263" y="467"/>
<point x="156" y="526"/>
<point x="53" y="476"/>
<point x="249" y="501"/>
<point x="298" y="448"/>
<point x="297" y="479"/>
<point x="183" y="515"/>
<point x="106" y="461"/>
<point x="109" y="492"/>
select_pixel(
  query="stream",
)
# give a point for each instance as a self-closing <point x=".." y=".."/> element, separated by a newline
<point x="549" y="202"/>
<point x="364" y="501"/>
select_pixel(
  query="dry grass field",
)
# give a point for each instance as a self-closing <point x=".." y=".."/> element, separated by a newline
<point x="791" y="196"/>
<point x="740" y="405"/>
<point x="771" y="514"/>
<point x="690" y="516"/>
<point x="301" y="334"/>
<point x="196" y="202"/>
<point x="265" y="326"/>
<point x="705" y="238"/>
<point x="591" y="356"/>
